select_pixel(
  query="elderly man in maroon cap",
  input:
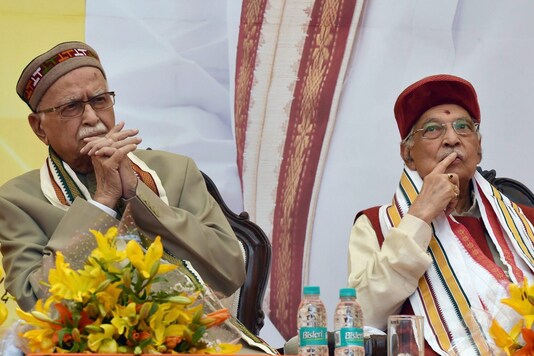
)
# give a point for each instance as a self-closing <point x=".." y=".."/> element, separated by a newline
<point x="92" y="173"/>
<point x="449" y="243"/>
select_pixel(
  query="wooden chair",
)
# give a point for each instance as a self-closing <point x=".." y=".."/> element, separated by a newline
<point x="258" y="260"/>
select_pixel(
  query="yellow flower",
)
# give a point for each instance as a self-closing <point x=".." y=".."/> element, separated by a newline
<point x="521" y="300"/>
<point x="107" y="246"/>
<point x="169" y="320"/>
<point x="3" y="313"/>
<point x="125" y="317"/>
<point x="41" y="335"/>
<point x="109" y="297"/>
<point x="66" y="283"/>
<point x="507" y="342"/>
<point x="103" y="341"/>
<point x="30" y="318"/>
<point x="224" y="349"/>
<point x="148" y="265"/>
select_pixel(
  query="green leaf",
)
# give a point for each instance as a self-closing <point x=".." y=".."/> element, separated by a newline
<point x="198" y="334"/>
<point x="145" y="342"/>
<point x="183" y="346"/>
<point x="154" y="309"/>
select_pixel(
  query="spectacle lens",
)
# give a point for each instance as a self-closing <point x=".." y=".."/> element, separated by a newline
<point x="77" y="108"/>
<point x="462" y="127"/>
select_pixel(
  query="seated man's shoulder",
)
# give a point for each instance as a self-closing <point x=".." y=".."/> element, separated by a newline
<point x="369" y="212"/>
<point x="28" y="182"/>
<point x="169" y="166"/>
<point x="157" y="156"/>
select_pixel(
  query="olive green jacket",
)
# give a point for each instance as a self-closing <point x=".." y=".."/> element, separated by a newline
<point x="192" y="227"/>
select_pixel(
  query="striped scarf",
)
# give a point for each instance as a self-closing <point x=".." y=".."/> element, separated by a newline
<point x="61" y="186"/>
<point x="462" y="284"/>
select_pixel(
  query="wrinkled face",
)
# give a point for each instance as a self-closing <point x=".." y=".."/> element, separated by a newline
<point x="425" y="154"/>
<point x="66" y="136"/>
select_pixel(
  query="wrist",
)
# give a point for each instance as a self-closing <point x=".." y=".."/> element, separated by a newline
<point x="130" y="193"/>
<point x="106" y="201"/>
<point x="420" y="214"/>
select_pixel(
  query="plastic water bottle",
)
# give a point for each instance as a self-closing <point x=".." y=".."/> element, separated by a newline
<point x="348" y="325"/>
<point x="311" y="324"/>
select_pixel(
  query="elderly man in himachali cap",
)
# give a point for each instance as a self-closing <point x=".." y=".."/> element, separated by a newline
<point x="449" y="243"/>
<point x="92" y="173"/>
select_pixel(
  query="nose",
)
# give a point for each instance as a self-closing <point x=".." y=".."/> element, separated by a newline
<point x="89" y="116"/>
<point x="450" y="137"/>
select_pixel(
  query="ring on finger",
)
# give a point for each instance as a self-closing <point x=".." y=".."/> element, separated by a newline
<point x="450" y="176"/>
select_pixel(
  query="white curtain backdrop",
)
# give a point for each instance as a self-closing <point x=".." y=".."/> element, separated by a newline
<point x="172" y="64"/>
<point x="168" y="62"/>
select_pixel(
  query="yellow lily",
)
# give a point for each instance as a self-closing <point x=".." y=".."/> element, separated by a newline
<point x="66" y="283"/>
<point x="109" y="297"/>
<point x="125" y="317"/>
<point x="507" y="342"/>
<point x="228" y="348"/>
<point x="103" y="341"/>
<point x="3" y="313"/>
<point x="41" y="334"/>
<point x="163" y="321"/>
<point x="519" y="300"/>
<point x="30" y="318"/>
<point x="107" y="246"/>
<point x="148" y="265"/>
<point x="223" y="349"/>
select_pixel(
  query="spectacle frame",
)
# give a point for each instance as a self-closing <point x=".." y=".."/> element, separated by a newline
<point x="77" y="108"/>
<point x="433" y="130"/>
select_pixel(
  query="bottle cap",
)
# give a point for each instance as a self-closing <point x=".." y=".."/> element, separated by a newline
<point x="347" y="292"/>
<point x="311" y="290"/>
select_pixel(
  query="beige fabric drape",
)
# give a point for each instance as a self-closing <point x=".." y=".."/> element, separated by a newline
<point x="291" y="62"/>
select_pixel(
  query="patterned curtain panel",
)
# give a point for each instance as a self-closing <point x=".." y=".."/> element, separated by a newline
<point x="291" y="63"/>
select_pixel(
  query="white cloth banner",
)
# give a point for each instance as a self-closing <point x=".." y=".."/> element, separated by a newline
<point x="172" y="65"/>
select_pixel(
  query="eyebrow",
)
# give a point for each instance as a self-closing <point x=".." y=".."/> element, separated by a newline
<point x="73" y="99"/>
<point x="433" y="119"/>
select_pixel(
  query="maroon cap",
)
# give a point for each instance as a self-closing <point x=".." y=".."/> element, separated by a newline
<point x="45" y="69"/>
<point x="433" y="91"/>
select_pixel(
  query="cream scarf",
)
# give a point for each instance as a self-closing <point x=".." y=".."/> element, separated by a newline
<point x="461" y="282"/>
<point x="61" y="186"/>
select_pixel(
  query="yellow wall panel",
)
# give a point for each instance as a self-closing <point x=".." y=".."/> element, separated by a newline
<point x="28" y="28"/>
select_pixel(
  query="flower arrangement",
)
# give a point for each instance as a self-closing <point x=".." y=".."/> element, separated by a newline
<point x="112" y="306"/>
<point x="520" y="340"/>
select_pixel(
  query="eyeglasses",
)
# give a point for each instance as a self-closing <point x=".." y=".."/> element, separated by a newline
<point x="77" y="108"/>
<point x="434" y="130"/>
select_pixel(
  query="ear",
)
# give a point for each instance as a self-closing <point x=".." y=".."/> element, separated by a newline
<point x="35" y="122"/>
<point x="479" y="150"/>
<point x="406" y="156"/>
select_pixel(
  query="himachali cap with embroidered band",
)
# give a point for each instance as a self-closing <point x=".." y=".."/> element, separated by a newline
<point x="44" y="70"/>
<point x="433" y="91"/>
